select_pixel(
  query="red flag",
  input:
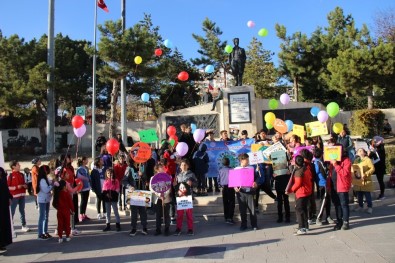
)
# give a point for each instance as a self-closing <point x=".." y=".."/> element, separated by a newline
<point x="102" y="5"/>
<point x="210" y="87"/>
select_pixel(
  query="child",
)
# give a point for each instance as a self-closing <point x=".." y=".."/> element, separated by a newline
<point x="83" y="174"/>
<point x="129" y="181"/>
<point x="44" y="196"/>
<point x="110" y="198"/>
<point x="228" y="193"/>
<point x="63" y="202"/>
<point x="162" y="205"/>
<point x="302" y="187"/>
<point x="119" y="171"/>
<point x="17" y="186"/>
<point x="245" y="196"/>
<point x="188" y="177"/>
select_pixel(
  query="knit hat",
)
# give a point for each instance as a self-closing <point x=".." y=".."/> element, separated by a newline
<point x="35" y="160"/>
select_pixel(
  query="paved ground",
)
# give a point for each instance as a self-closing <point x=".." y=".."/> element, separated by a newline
<point x="371" y="239"/>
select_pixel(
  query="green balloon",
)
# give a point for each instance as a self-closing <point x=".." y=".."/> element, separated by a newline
<point x="332" y="109"/>
<point x="172" y="142"/>
<point x="228" y="49"/>
<point x="273" y="104"/>
<point x="269" y="126"/>
<point x="263" y="32"/>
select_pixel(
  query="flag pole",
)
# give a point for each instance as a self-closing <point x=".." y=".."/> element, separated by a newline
<point x="94" y="86"/>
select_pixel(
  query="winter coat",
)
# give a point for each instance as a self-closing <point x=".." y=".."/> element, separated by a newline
<point x="13" y="180"/>
<point x="44" y="195"/>
<point x="201" y="160"/>
<point x="364" y="184"/>
<point x="303" y="183"/>
<point x="340" y="175"/>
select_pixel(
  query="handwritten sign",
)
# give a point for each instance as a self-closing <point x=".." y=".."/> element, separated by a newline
<point x="255" y="157"/>
<point x="140" y="152"/>
<point x="280" y="164"/>
<point x="139" y="198"/>
<point x="243" y="177"/>
<point x="316" y="128"/>
<point x="160" y="183"/>
<point x="184" y="202"/>
<point x="278" y="146"/>
<point x="299" y="130"/>
<point x="148" y="136"/>
<point x="332" y="153"/>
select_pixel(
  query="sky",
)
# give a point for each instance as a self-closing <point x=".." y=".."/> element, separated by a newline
<point x="179" y="19"/>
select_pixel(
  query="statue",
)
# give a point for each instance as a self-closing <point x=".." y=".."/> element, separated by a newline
<point x="237" y="60"/>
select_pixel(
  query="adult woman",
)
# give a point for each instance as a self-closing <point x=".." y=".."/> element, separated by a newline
<point x="5" y="222"/>
<point x="364" y="185"/>
<point x="83" y="175"/>
<point x="379" y="165"/>
<point x="44" y="197"/>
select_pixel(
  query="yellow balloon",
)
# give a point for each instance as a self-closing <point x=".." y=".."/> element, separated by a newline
<point x="138" y="60"/>
<point x="270" y="118"/>
<point x="337" y="127"/>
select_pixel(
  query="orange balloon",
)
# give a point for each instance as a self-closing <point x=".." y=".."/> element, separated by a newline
<point x="140" y="152"/>
<point x="280" y="126"/>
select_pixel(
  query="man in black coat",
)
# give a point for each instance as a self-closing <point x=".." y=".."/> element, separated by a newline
<point x="5" y="222"/>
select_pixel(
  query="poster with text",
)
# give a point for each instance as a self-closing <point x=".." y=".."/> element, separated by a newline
<point x="299" y="130"/>
<point x="332" y="153"/>
<point x="239" y="107"/>
<point x="316" y="128"/>
<point x="280" y="164"/>
<point x="255" y="157"/>
<point x="138" y="198"/>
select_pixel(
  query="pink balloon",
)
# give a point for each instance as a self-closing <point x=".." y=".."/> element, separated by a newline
<point x="182" y="148"/>
<point x="80" y="131"/>
<point x="284" y="98"/>
<point x="322" y="116"/>
<point x="250" y="24"/>
<point x="198" y="135"/>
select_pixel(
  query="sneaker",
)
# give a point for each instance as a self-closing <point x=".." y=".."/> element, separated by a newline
<point x="300" y="232"/>
<point x="330" y="220"/>
<point x="311" y="222"/>
<point x="358" y="209"/>
<point x="75" y="232"/>
<point x="25" y="228"/>
<point x="68" y="239"/>
<point x="178" y="232"/>
<point x="42" y="237"/>
<point x="190" y="232"/>
<point x="2" y="250"/>
<point x="144" y="232"/>
<point x="55" y="232"/>
<point x="337" y="227"/>
<point x="60" y="240"/>
<point x="81" y="218"/>
<point x="370" y="210"/>
<point x="346" y="226"/>
<point x="86" y="217"/>
<point x="255" y="228"/>
<point x="48" y="235"/>
<point x="133" y="232"/>
<point x="98" y="216"/>
<point x="318" y="222"/>
<point x="230" y="221"/>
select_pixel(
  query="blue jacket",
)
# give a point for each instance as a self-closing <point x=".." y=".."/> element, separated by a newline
<point x="320" y="171"/>
<point x="200" y="160"/>
<point x="97" y="176"/>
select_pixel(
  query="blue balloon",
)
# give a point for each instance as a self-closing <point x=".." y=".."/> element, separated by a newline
<point x="168" y="43"/>
<point x="193" y="127"/>
<point x="145" y="97"/>
<point x="209" y="69"/>
<point x="314" y="111"/>
<point x="290" y="125"/>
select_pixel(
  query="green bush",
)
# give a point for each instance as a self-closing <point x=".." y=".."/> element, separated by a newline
<point x="389" y="153"/>
<point x="367" y="123"/>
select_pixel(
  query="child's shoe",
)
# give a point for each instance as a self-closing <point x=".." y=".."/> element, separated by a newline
<point x="133" y="232"/>
<point x="178" y="232"/>
<point x="68" y="239"/>
<point x="145" y="231"/>
<point x="107" y="228"/>
<point x="60" y="240"/>
<point x="190" y="232"/>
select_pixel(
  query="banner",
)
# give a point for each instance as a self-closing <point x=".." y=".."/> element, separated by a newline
<point x="220" y="149"/>
<point x="316" y="128"/>
<point x="280" y="164"/>
<point x="243" y="177"/>
<point x="332" y="153"/>
<point x="148" y="136"/>
<point x="138" y="198"/>
<point x="299" y="130"/>
<point x="160" y="183"/>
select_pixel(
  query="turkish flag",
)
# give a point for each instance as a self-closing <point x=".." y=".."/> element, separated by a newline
<point x="102" y="5"/>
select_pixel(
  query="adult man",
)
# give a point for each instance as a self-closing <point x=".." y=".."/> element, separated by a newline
<point x="387" y="127"/>
<point x="220" y="96"/>
<point x="237" y="60"/>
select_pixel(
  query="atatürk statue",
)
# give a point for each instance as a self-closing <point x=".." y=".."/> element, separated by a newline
<point x="237" y="60"/>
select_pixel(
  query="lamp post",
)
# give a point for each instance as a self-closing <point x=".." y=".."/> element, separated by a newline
<point x="50" y="77"/>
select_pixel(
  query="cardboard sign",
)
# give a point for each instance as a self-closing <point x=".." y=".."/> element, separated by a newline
<point x="297" y="150"/>
<point x="184" y="202"/>
<point x="280" y="164"/>
<point x="332" y="153"/>
<point x="148" y="135"/>
<point x="160" y="183"/>
<point x="255" y="157"/>
<point x="139" y="198"/>
<point x="258" y="147"/>
<point x="278" y="146"/>
<point x="299" y="130"/>
<point x="243" y="177"/>
<point x="361" y="144"/>
<point x="280" y="126"/>
<point x="140" y="152"/>
<point x="316" y="128"/>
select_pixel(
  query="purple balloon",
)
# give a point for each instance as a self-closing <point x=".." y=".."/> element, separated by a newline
<point x="198" y="135"/>
<point x="322" y="116"/>
<point x="182" y="148"/>
<point x="284" y="98"/>
<point x="80" y="131"/>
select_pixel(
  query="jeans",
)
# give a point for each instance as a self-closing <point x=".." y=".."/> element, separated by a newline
<point x="43" y="209"/>
<point x="21" y="203"/>
<point x="368" y="197"/>
<point x="108" y="213"/>
<point x="340" y="201"/>
<point x="380" y="179"/>
<point x="122" y="193"/>
<point x="215" y="102"/>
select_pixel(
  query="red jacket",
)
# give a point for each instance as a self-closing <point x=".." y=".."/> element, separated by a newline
<point x="13" y="180"/>
<point x="65" y="201"/>
<point x="119" y="171"/>
<point x="303" y="183"/>
<point x="343" y="178"/>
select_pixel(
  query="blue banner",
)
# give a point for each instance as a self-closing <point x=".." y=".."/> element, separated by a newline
<point x="220" y="149"/>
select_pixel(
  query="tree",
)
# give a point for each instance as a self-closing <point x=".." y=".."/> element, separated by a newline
<point x="384" y="24"/>
<point x="260" y="71"/>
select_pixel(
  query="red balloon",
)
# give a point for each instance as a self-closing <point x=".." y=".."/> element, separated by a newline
<point x="77" y="121"/>
<point x="171" y="130"/>
<point x="112" y="146"/>
<point x="79" y="184"/>
<point x="183" y="76"/>
<point x="158" y="52"/>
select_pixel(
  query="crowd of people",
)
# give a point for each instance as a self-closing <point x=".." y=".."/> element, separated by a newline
<point x="307" y="176"/>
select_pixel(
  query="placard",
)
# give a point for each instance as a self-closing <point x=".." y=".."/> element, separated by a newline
<point x="138" y="198"/>
<point x="184" y="202"/>
<point x="255" y="157"/>
<point x="243" y="177"/>
<point x="299" y="130"/>
<point x="239" y="107"/>
<point x="316" y="128"/>
<point x="140" y="152"/>
<point x="361" y="144"/>
<point x="278" y="146"/>
<point x="160" y="183"/>
<point x="280" y="164"/>
<point x="258" y="147"/>
<point x="332" y="153"/>
<point x="297" y="150"/>
<point x="148" y="136"/>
